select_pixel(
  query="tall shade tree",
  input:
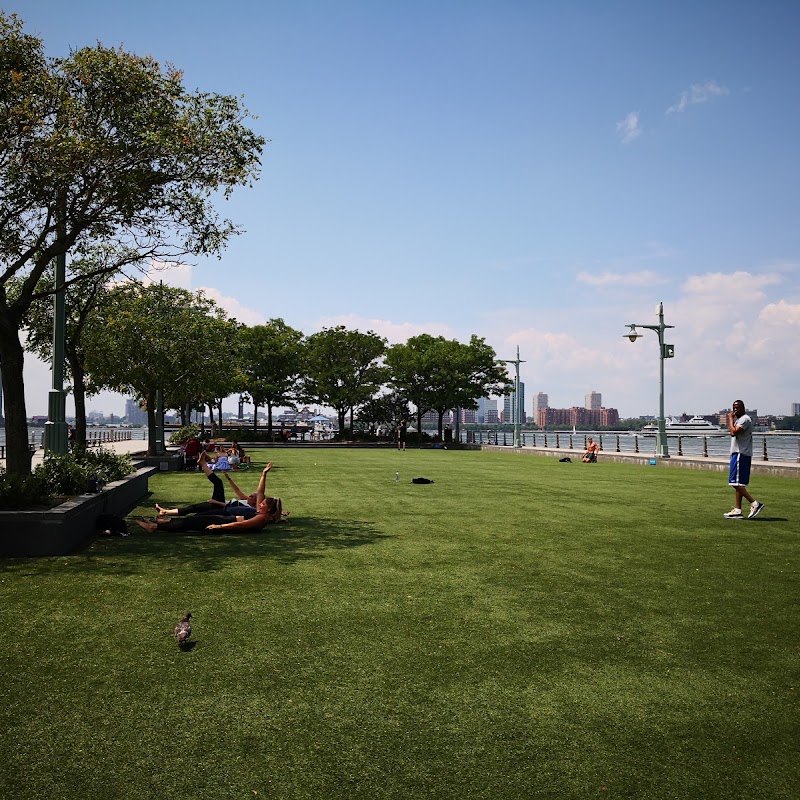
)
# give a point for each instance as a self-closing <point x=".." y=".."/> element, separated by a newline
<point x="343" y="368"/>
<point x="386" y="409"/>
<point x="272" y="357"/>
<point x="82" y="296"/>
<point x="102" y="146"/>
<point x="438" y="374"/>
<point x="146" y="338"/>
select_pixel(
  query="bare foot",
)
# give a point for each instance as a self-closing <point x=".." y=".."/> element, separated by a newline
<point x="150" y="527"/>
<point x="268" y="467"/>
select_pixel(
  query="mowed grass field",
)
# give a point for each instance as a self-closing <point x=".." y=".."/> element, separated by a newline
<point x="521" y="628"/>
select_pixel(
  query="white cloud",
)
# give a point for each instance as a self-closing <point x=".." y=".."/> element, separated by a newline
<point x="394" y="332"/>
<point x="629" y="128"/>
<point x="781" y="313"/>
<point x="234" y="307"/>
<point x="697" y="94"/>
<point x="171" y="273"/>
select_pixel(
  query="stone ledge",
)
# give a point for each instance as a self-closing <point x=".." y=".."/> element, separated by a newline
<point x="70" y="526"/>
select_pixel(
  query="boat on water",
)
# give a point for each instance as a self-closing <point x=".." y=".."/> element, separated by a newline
<point x="696" y="426"/>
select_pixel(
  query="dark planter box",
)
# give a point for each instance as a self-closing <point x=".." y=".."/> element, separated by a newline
<point x="70" y="526"/>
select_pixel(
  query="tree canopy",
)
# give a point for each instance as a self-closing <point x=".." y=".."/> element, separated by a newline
<point x="438" y="374"/>
<point x="146" y="338"/>
<point x="103" y="146"/>
<point x="343" y="368"/>
<point x="272" y="358"/>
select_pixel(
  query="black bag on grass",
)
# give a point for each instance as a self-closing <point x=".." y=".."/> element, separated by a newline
<point x="111" y="525"/>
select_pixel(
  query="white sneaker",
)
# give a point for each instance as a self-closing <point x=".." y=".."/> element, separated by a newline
<point x="734" y="513"/>
<point x="755" y="509"/>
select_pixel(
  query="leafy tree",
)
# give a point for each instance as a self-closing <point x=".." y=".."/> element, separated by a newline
<point x="102" y="146"/>
<point x="441" y="374"/>
<point x="410" y="364"/>
<point x="343" y="368"/>
<point x="146" y="338"/>
<point x="791" y="423"/>
<point x="272" y="357"/>
<point x="387" y="409"/>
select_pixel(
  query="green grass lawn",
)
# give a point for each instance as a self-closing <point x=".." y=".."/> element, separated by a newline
<point x="520" y="628"/>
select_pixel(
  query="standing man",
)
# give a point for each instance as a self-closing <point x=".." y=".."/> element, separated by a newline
<point x="740" y="427"/>
<point x="401" y="435"/>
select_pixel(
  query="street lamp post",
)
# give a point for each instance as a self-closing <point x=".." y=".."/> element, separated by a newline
<point x="665" y="351"/>
<point x="55" y="429"/>
<point x="517" y="398"/>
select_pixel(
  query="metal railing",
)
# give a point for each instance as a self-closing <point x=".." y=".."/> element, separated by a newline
<point x="766" y="447"/>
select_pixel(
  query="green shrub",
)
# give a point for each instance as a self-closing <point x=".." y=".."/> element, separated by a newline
<point x="184" y="434"/>
<point x="71" y="473"/>
<point x="22" y="492"/>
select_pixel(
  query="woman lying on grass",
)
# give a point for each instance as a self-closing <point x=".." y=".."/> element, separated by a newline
<point x="269" y="511"/>
<point x="243" y="506"/>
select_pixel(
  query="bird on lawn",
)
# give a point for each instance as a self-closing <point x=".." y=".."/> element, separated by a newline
<point x="183" y="630"/>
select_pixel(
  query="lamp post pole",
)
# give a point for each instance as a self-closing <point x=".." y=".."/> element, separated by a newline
<point x="55" y="429"/>
<point x="665" y="351"/>
<point x="517" y="397"/>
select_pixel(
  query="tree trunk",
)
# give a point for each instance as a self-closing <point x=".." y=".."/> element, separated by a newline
<point x="440" y="424"/>
<point x="255" y="417"/>
<point x="341" y="412"/>
<point x="211" y="421"/>
<point x="79" y="395"/>
<point x="269" y="419"/>
<point x="18" y="454"/>
<point x="150" y="400"/>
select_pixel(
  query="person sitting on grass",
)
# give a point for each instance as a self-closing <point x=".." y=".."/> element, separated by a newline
<point x="269" y="511"/>
<point x="235" y="455"/>
<point x="243" y="506"/>
<point x="592" y="449"/>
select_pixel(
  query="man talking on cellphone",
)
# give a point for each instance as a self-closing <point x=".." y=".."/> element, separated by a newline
<point x="740" y="427"/>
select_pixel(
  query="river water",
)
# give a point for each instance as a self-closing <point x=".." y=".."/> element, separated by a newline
<point x="776" y="446"/>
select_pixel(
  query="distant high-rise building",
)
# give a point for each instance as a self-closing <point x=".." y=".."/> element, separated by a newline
<point x="540" y="401"/>
<point x="594" y="401"/>
<point x="510" y="405"/>
<point x="487" y="407"/>
<point x="134" y="414"/>
<point x="469" y="415"/>
<point x="795" y="406"/>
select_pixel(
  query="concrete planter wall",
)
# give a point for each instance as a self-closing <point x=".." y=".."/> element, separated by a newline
<point x="69" y="527"/>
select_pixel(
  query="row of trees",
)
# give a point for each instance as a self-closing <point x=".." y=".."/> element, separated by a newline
<point x="106" y="156"/>
<point x="140" y="339"/>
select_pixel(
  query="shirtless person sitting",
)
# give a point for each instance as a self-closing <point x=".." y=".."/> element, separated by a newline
<point x="592" y="449"/>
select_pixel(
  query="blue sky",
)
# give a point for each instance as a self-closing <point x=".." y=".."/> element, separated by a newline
<point x="536" y="173"/>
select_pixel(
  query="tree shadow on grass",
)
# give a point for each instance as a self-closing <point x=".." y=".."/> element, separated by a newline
<point x="301" y="539"/>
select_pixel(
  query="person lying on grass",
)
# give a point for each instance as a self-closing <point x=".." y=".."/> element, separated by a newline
<point x="269" y="511"/>
<point x="243" y="506"/>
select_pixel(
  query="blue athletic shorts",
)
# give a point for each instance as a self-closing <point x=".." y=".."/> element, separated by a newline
<point x="739" y="474"/>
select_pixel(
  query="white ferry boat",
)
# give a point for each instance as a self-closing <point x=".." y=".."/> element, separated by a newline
<point x="696" y="426"/>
